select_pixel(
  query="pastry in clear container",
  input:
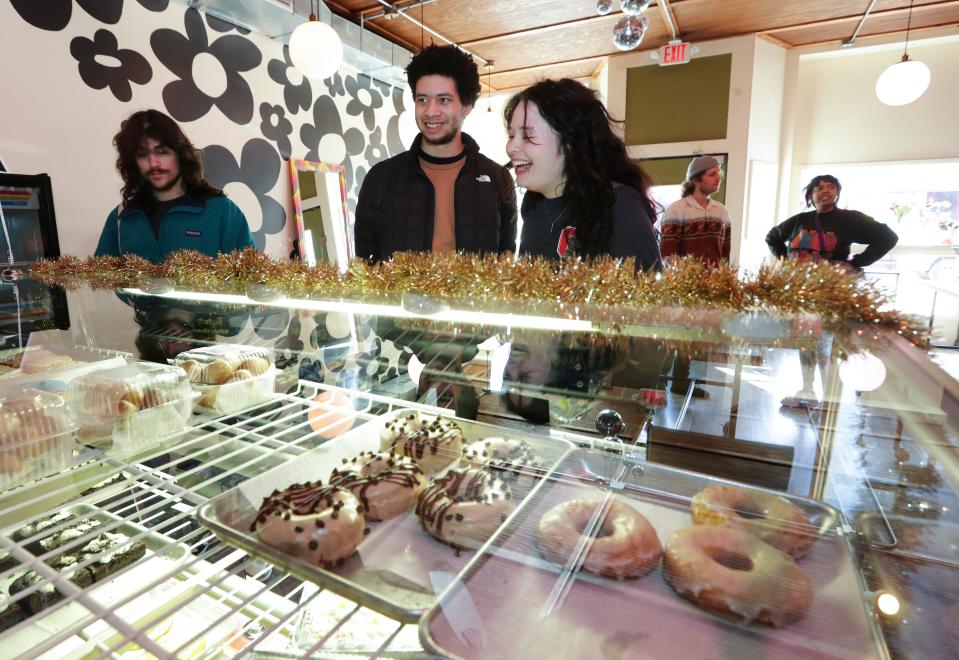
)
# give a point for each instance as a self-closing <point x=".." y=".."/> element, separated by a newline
<point x="229" y="378"/>
<point x="132" y="406"/>
<point x="36" y="435"/>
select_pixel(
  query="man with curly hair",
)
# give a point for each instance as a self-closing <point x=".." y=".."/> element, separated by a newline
<point x="167" y="203"/>
<point x="442" y="194"/>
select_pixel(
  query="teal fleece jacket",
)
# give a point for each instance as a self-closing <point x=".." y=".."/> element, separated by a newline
<point x="211" y="226"/>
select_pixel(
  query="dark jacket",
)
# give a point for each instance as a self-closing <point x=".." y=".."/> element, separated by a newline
<point x="798" y="237"/>
<point x="210" y="226"/>
<point x="395" y="210"/>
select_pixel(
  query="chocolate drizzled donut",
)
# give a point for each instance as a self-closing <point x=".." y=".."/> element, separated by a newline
<point x="386" y="484"/>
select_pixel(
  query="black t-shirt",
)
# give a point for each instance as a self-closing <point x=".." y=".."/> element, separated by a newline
<point x="156" y="210"/>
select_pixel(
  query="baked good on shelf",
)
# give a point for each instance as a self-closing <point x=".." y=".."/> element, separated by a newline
<point x="732" y="573"/>
<point x="433" y="443"/>
<point x="624" y="545"/>
<point x="386" y="484"/>
<point x="331" y="413"/>
<point x="36" y="435"/>
<point x="767" y="516"/>
<point x="464" y="507"/>
<point x="135" y="404"/>
<point x="510" y="458"/>
<point x="319" y="524"/>
<point x="229" y="377"/>
<point x="39" y="360"/>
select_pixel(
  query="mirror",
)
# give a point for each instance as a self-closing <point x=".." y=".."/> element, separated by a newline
<point x="322" y="217"/>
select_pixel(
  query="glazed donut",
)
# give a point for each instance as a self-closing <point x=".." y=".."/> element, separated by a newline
<point x="731" y="572"/>
<point x="503" y="455"/>
<point x="464" y="507"/>
<point x="769" y="517"/>
<point x="433" y="445"/>
<point x="386" y="484"/>
<point x="626" y="545"/>
<point x="319" y="524"/>
<point x="255" y="364"/>
<point x="217" y="372"/>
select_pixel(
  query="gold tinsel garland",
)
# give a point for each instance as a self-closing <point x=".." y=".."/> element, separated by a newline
<point x="494" y="282"/>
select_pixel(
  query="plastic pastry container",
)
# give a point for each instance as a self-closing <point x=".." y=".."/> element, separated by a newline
<point x="229" y="378"/>
<point x="133" y="406"/>
<point x="36" y="435"/>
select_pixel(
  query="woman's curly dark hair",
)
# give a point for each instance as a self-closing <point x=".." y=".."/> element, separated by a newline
<point x="447" y="61"/>
<point x="595" y="158"/>
<point x="153" y="124"/>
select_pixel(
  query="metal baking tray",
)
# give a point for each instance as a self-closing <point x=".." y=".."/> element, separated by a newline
<point x="163" y="555"/>
<point x="398" y="569"/>
<point x="915" y="560"/>
<point x="504" y="603"/>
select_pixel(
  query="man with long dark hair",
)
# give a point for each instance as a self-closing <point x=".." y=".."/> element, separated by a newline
<point x="697" y="225"/>
<point x="443" y="194"/>
<point x="167" y="204"/>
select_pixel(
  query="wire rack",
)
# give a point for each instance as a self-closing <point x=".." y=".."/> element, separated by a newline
<point x="235" y="605"/>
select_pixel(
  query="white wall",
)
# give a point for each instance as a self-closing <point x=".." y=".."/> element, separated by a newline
<point x="838" y="119"/>
<point x="52" y="121"/>
<point x="743" y="50"/>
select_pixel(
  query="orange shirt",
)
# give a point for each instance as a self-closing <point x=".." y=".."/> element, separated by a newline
<point x="443" y="177"/>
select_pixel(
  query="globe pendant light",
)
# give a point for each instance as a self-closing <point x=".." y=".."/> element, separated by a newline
<point x="906" y="80"/>
<point x="315" y="48"/>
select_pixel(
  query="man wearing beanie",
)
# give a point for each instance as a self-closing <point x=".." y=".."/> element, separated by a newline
<point x="696" y="226"/>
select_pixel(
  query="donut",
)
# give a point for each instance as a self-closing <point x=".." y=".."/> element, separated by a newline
<point x="255" y="364"/>
<point x="319" y="524"/>
<point x="464" y="507"/>
<point x="239" y="375"/>
<point x="509" y="457"/>
<point x="626" y="545"/>
<point x="433" y="445"/>
<point x="217" y="372"/>
<point x="386" y="484"/>
<point x="193" y="369"/>
<point x="333" y="415"/>
<point x="771" y="518"/>
<point x="729" y="571"/>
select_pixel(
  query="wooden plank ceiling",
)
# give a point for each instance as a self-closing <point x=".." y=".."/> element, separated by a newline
<point x="533" y="39"/>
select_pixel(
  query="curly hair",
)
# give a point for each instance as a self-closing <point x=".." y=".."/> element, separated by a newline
<point x="447" y="61"/>
<point x="153" y="124"/>
<point x="816" y="180"/>
<point x="595" y="158"/>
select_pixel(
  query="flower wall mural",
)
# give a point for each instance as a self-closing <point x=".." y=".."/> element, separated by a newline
<point x="234" y="92"/>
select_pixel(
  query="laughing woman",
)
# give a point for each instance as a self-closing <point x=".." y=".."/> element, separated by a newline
<point x="584" y="196"/>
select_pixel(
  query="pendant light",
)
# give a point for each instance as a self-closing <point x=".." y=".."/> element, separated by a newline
<point x="906" y="80"/>
<point x="315" y="48"/>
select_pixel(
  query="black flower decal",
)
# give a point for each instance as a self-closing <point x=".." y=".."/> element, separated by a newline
<point x="54" y="15"/>
<point x="334" y="85"/>
<point x="258" y="170"/>
<point x="321" y="137"/>
<point x="276" y="127"/>
<point x="132" y="67"/>
<point x="365" y="100"/>
<point x="184" y="98"/>
<point x="376" y="150"/>
<point x="155" y="5"/>
<point x="297" y="96"/>
<point x="359" y="176"/>
<point x="219" y="25"/>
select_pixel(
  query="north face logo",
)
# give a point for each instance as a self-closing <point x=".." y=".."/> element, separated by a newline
<point x="483" y="178"/>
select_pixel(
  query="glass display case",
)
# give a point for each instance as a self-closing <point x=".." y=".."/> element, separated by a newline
<point x="155" y="549"/>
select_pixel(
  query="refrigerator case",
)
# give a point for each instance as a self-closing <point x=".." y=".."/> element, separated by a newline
<point x="29" y="225"/>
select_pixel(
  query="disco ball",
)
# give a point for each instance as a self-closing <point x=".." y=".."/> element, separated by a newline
<point x="629" y="32"/>
<point x="603" y="7"/>
<point x="634" y="7"/>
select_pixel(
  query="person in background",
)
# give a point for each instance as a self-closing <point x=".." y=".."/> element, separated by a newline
<point x="584" y="196"/>
<point x="826" y="233"/>
<point x="442" y="194"/>
<point x="167" y="204"/>
<point x="696" y="226"/>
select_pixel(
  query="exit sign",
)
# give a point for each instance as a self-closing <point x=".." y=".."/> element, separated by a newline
<point x="675" y="52"/>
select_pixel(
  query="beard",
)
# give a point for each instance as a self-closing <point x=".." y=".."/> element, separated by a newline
<point x="445" y="138"/>
<point x="168" y="186"/>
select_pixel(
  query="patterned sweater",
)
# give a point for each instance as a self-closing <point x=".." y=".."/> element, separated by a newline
<point x="691" y="230"/>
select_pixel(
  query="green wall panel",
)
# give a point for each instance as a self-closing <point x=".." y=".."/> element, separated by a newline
<point x="681" y="103"/>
